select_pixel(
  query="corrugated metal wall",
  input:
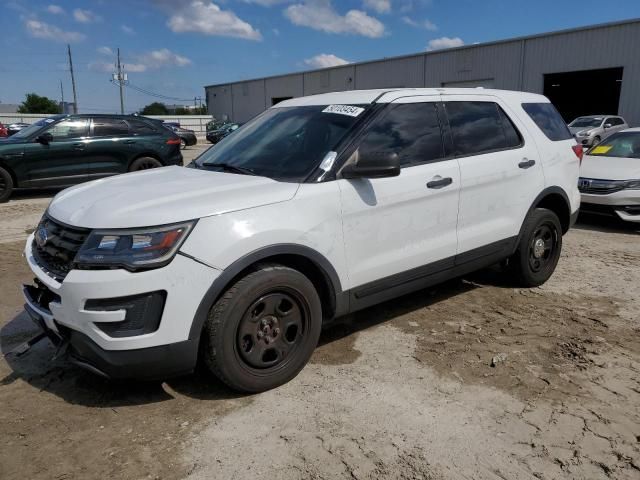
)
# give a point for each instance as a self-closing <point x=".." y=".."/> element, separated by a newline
<point x="513" y="65"/>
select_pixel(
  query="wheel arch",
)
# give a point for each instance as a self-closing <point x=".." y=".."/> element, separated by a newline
<point x="306" y="260"/>
<point x="556" y="200"/>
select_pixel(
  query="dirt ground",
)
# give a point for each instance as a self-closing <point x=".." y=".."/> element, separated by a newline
<point x="404" y="390"/>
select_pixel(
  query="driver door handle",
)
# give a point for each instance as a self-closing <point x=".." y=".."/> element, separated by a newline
<point x="526" y="163"/>
<point x="79" y="146"/>
<point x="129" y="142"/>
<point x="439" y="182"/>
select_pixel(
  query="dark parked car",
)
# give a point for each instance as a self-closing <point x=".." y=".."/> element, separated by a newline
<point x="214" y="136"/>
<point x="65" y="150"/>
<point x="14" y="128"/>
<point x="187" y="137"/>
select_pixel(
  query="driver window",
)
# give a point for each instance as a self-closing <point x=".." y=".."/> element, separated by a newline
<point x="69" y="128"/>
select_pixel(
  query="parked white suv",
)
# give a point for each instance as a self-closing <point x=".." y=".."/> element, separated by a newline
<point x="318" y="207"/>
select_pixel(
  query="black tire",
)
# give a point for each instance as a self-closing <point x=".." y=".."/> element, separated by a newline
<point x="6" y="185"/>
<point x="539" y="249"/>
<point x="183" y="144"/>
<point x="145" y="163"/>
<point x="596" y="140"/>
<point x="262" y="331"/>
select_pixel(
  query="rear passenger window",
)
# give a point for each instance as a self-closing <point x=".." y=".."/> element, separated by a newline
<point x="411" y="130"/>
<point x="106" y="127"/>
<point x="480" y="127"/>
<point x="547" y="118"/>
<point x="140" y="127"/>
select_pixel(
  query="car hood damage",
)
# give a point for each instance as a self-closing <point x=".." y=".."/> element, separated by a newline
<point x="163" y="196"/>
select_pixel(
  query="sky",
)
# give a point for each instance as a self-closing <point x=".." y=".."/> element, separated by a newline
<point x="174" y="48"/>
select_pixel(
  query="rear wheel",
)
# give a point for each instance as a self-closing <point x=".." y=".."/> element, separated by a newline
<point x="263" y="330"/>
<point x="539" y="248"/>
<point x="144" y="163"/>
<point x="6" y="185"/>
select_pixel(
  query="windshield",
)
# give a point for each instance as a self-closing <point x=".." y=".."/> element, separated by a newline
<point x="621" y="145"/>
<point x="583" y="122"/>
<point x="34" y="127"/>
<point x="284" y="143"/>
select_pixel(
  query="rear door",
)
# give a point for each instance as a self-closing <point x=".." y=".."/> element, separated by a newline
<point x="64" y="160"/>
<point x="400" y="229"/>
<point x="501" y="174"/>
<point x="110" y="147"/>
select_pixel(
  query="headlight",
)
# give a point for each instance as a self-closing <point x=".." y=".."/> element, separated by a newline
<point x="133" y="248"/>
<point x="633" y="184"/>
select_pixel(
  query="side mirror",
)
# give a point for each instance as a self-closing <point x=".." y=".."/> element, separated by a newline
<point x="373" y="165"/>
<point x="607" y="125"/>
<point x="45" y="138"/>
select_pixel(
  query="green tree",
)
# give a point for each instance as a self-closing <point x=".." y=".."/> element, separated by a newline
<point x="155" y="108"/>
<point x="34" y="103"/>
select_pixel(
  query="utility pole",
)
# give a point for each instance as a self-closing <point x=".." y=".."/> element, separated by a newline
<point x="120" y="82"/>
<point x="61" y="97"/>
<point x="73" y="81"/>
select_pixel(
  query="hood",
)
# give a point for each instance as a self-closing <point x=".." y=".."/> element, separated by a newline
<point x="610" y="168"/>
<point x="163" y="195"/>
<point x="576" y="130"/>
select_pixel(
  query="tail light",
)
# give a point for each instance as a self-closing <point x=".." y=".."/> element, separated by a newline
<point x="174" y="141"/>
<point x="577" y="149"/>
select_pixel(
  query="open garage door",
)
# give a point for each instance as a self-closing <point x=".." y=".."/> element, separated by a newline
<point x="585" y="92"/>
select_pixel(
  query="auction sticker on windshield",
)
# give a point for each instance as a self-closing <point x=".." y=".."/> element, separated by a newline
<point x="349" y="110"/>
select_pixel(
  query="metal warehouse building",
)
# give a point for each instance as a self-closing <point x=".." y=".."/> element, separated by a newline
<point x="589" y="70"/>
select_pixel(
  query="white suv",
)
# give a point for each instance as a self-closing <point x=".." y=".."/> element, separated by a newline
<point x="318" y="207"/>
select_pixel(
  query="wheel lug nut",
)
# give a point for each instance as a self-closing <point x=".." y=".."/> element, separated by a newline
<point x="260" y="334"/>
<point x="264" y="321"/>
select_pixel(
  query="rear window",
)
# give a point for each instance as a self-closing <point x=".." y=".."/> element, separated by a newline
<point x="547" y="118"/>
<point x="107" y="127"/>
<point x="140" y="127"/>
<point x="480" y="127"/>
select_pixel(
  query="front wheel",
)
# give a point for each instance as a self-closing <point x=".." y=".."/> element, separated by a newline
<point x="539" y="249"/>
<point x="596" y="140"/>
<point x="6" y="185"/>
<point x="263" y="329"/>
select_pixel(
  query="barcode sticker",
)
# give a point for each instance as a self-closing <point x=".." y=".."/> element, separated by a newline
<point x="348" y="110"/>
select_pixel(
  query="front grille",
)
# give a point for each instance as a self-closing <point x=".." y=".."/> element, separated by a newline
<point x="600" y="187"/>
<point x="55" y="246"/>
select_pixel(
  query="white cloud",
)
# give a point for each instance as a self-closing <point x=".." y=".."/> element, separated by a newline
<point x="163" y="58"/>
<point x="145" y="61"/>
<point x="267" y="3"/>
<point x="426" y="23"/>
<point x="85" y="16"/>
<point x="46" y="31"/>
<point x="55" y="9"/>
<point x="208" y="18"/>
<point x="379" y="6"/>
<point x="325" y="60"/>
<point x="105" y="51"/>
<point x="444" y="42"/>
<point x="127" y="30"/>
<point x="320" y="15"/>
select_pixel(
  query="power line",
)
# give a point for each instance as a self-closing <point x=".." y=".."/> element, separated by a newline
<point x="154" y="94"/>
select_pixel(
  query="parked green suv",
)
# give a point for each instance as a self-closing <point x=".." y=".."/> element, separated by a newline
<point x="65" y="150"/>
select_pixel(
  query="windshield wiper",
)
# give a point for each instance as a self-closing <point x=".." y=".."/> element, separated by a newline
<point x="227" y="167"/>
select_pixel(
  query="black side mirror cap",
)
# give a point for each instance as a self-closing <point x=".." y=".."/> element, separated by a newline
<point x="44" y="138"/>
<point x="373" y="165"/>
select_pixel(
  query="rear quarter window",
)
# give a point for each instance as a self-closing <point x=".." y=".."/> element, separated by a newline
<point x="547" y="118"/>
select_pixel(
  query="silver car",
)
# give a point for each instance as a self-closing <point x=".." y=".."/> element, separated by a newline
<point x="592" y="129"/>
